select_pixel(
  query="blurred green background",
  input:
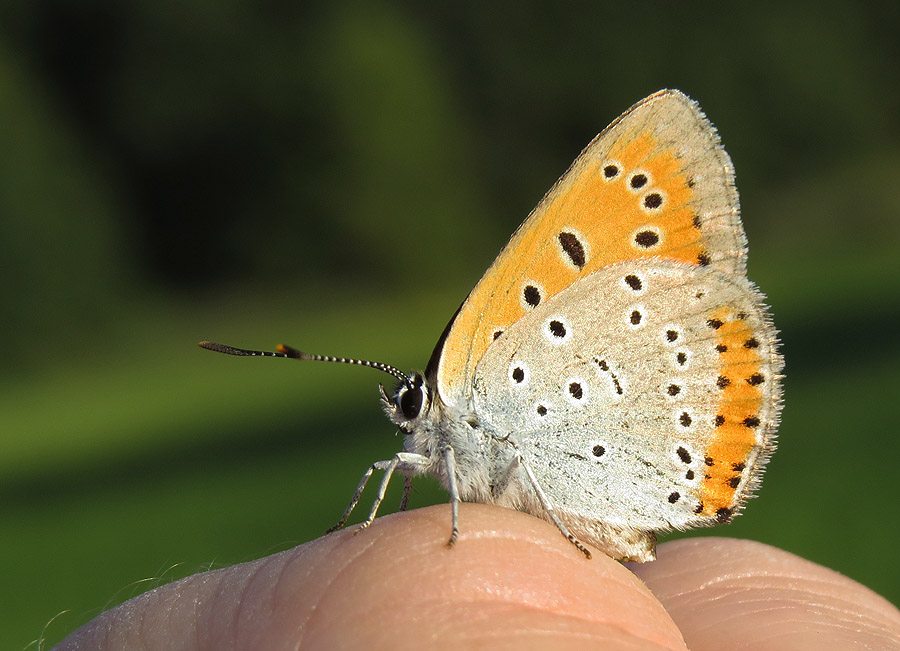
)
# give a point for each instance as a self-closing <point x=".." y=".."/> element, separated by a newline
<point x="337" y="176"/>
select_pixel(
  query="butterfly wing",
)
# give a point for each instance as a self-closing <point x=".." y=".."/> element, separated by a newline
<point x="644" y="397"/>
<point x="655" y="183"/>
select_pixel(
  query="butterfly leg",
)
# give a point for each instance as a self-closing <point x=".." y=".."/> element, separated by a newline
<point x="405" y="460"/>
<point x="356" y="495"/>
<point x="407" y="487"/>
<point x="500" y="486"/>
<point x="450" y="465"/>
<point x="389" y="469"/>
<point x="548" y="507"/>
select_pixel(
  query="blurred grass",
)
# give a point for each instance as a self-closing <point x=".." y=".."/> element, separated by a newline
<point x="336" y="178"/>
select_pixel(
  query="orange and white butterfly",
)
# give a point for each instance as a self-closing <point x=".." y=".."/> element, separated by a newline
<point x="613" y="371"/>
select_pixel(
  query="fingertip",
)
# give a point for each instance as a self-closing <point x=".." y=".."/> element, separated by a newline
<point x="509" y="577"/>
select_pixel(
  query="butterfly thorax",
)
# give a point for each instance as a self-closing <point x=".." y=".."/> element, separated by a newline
<point x="431" y="426"/>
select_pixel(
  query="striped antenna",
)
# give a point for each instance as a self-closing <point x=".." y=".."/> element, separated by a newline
<point x="292" y="353"/>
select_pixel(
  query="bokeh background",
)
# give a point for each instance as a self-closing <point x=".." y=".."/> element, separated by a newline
<point x="336" y="176"/>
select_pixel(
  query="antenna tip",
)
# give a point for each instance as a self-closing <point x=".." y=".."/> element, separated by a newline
<point x="228" y="350"/>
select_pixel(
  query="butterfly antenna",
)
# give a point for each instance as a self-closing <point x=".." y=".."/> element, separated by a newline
<point x="292" y="353"/>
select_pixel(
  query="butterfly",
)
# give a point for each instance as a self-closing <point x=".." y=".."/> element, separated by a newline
<point x="614" y="371"/>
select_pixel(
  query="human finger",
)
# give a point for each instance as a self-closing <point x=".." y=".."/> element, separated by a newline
<point x="739" y="594"/>
<point x="511" y="581"/>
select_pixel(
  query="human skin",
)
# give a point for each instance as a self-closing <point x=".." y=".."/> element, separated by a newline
<point x="511" y="581"/>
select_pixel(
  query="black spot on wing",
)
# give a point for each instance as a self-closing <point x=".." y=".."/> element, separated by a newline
<point x="573" y="248"/>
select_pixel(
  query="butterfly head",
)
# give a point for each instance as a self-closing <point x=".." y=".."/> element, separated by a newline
<point x="408" y="403"/>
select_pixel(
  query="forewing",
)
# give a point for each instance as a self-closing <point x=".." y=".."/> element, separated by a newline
<point x="655" y="183"/>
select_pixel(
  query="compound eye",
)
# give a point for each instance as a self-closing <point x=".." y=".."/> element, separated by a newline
<point x="410" y="402"/>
